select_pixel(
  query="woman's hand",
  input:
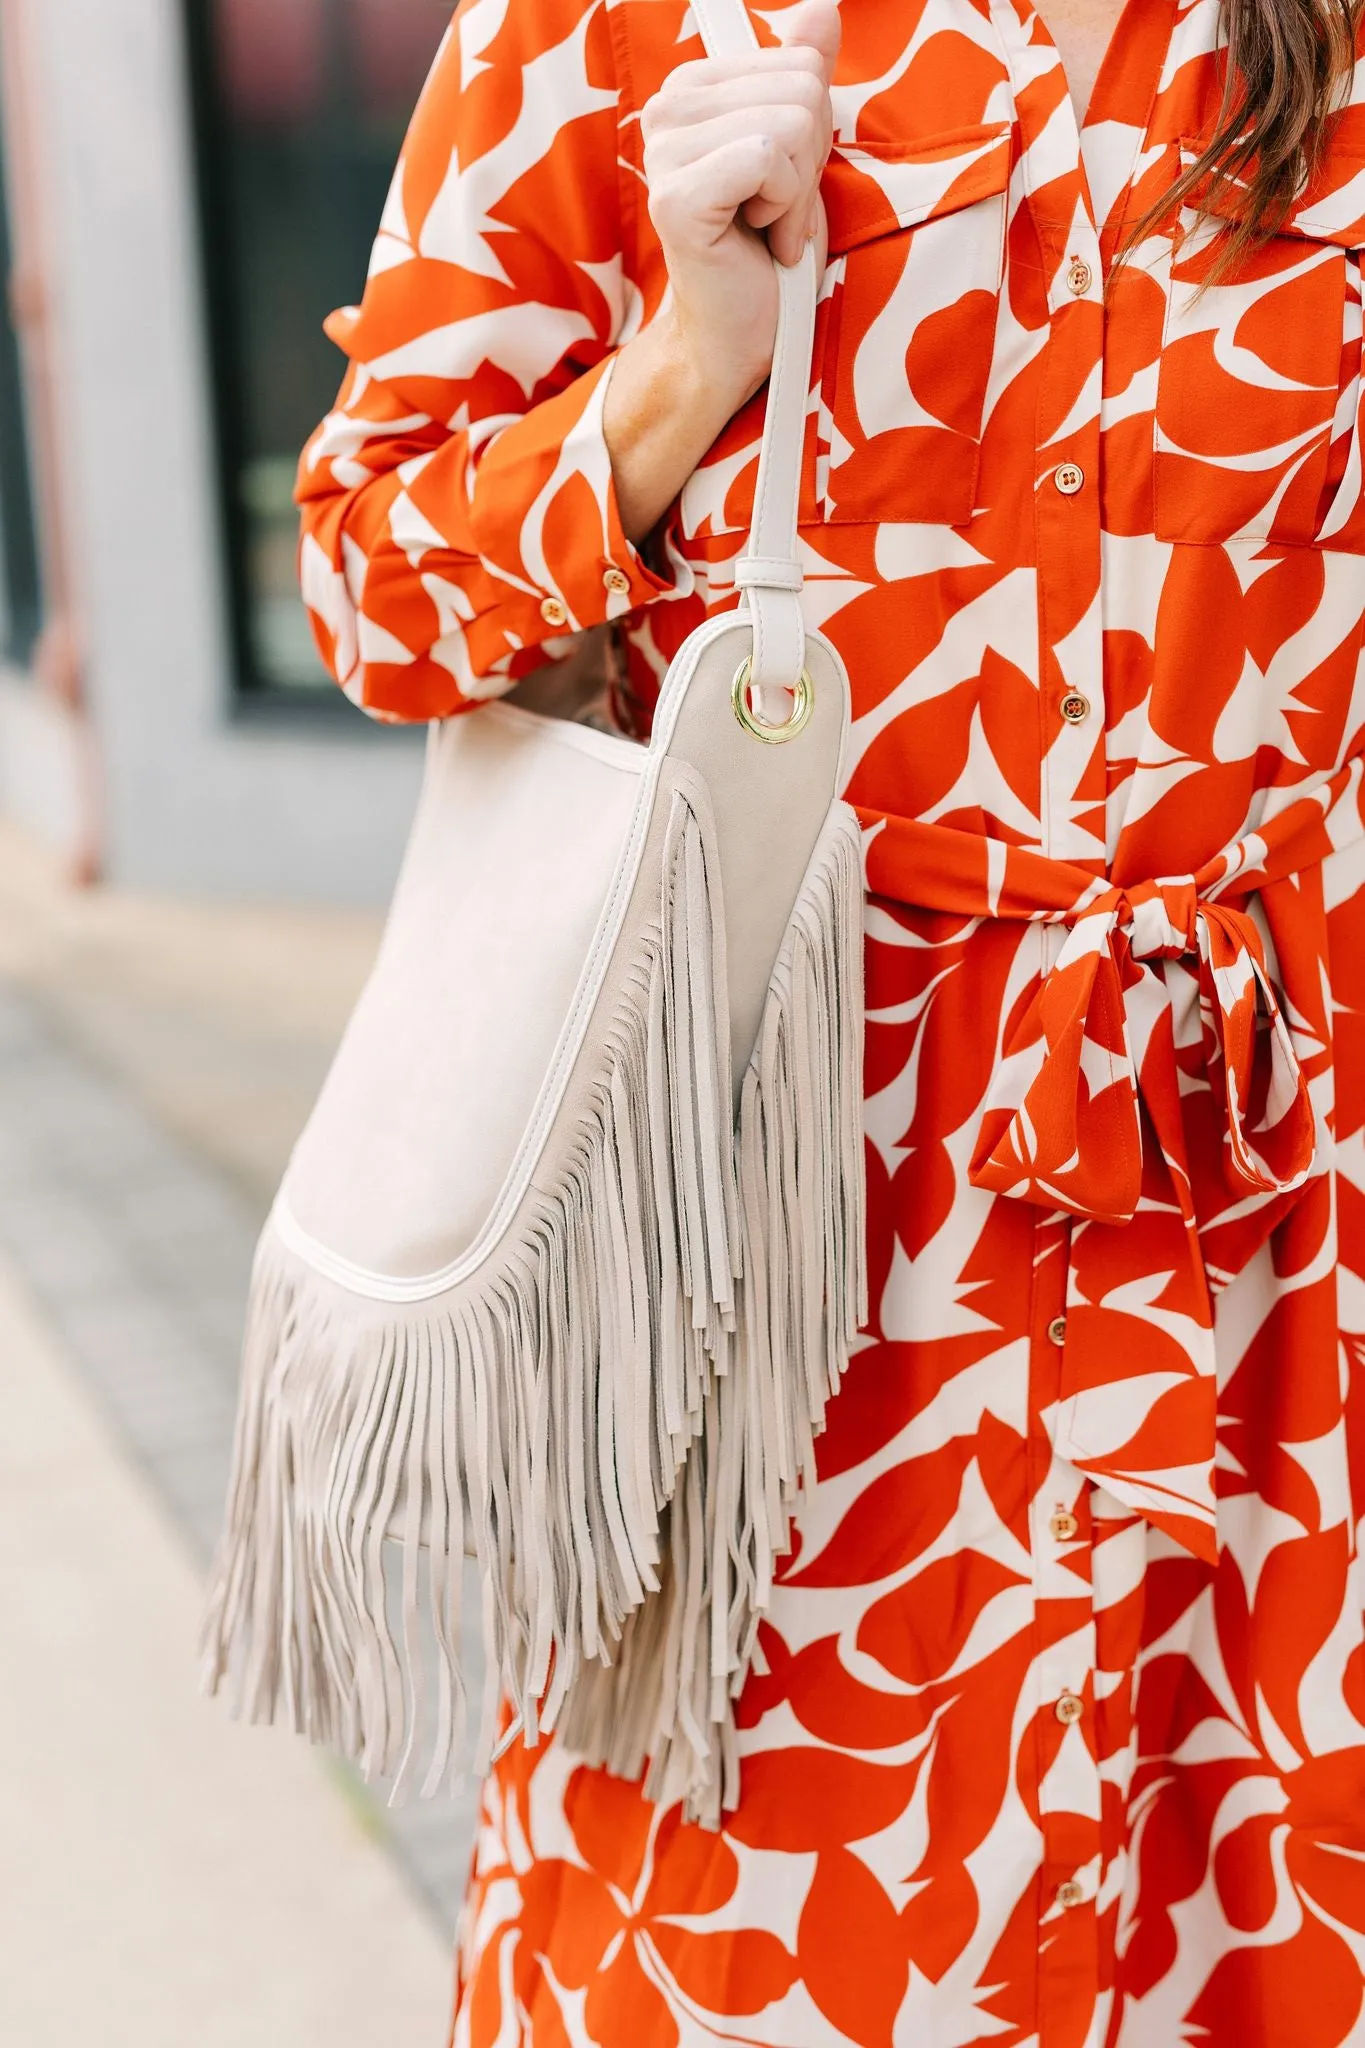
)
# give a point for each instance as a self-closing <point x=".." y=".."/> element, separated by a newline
<point x="733" y="148"/>
<point x="733" y="156"/>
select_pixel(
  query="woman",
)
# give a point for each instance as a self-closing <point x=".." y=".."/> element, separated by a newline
<point x="1061" y="1735"/>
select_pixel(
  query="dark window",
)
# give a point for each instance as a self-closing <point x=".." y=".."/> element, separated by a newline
<point x="302" y="106"/>
<point x="20" y="583"/>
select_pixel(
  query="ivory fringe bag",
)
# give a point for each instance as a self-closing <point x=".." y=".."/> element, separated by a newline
<point x="570" y="1256"/>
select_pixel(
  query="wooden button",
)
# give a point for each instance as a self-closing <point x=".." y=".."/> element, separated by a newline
<point x="1063" y="1526"/>
<point x="553" y="612"/>
<point x="1079" y="277"/>
<point x="1069" y="478"/>
<point x="1056" y="1330"/>
<point x="616" y="581"/>
<point x="1075" y="708"/>
<point x="1070" y="1894"/>
<point x="1069" y="1708"/>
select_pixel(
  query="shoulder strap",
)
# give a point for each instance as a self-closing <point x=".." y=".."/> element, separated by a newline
<point x="768" y="571"/>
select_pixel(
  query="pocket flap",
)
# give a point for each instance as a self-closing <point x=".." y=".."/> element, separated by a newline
<point x="1331" y="209"/>
<point x="872" y="188"/>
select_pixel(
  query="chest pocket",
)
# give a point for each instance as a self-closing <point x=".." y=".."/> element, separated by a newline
<point x="1259" y="392"/>
<point x="917" y="253"/>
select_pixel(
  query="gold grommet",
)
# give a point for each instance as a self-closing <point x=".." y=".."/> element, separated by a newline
<point x="772" y="735"/>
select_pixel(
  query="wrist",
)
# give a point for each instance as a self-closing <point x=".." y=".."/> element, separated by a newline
<point x="668" y="400"/>
<point x="709" y="383"/>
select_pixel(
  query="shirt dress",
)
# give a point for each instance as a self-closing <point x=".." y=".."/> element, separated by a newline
<point x="1059" y="1735"/>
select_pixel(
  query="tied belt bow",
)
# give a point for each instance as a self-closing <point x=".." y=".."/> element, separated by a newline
<point x="1063" y="1124"/>
<point x="1154" y="1081"/>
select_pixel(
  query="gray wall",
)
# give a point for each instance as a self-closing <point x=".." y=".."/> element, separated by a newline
<point x="195" y="797"/>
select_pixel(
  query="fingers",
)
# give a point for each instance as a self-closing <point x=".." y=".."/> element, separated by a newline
<point x="746" y="138"/>
<point x="788" y="237"/>
<point x="809" y="47"/>
<point x="762" y="162"/>
<point x="793" y="130"/>
<point x="692" y="91"/>
<point x="684" y="103"/>
<point x="696" y="203"/>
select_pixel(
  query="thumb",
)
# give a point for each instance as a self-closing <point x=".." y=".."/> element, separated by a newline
<point x="815" y="23"/>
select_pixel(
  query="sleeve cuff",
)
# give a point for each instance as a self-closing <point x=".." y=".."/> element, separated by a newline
<point x="547" y="524"/>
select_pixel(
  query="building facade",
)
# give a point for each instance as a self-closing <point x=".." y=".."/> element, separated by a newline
<point x="188" y="187"/>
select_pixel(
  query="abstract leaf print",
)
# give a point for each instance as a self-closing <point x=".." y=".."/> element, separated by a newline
<point x="1057" y="1738"/>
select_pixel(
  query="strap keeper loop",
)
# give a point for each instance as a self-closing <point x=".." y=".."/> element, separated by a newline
<point x="767" y="572"/>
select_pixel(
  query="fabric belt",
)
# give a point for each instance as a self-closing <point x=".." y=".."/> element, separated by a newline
<point x="1157" y="1049"/>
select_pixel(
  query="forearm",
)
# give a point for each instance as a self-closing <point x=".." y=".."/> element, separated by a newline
<point x="662" y="412"/>
<point x="436" y="587"/>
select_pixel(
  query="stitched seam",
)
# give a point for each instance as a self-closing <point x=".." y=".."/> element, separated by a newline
<point x="1044" y="800"/>
<point x="627" y="102"/>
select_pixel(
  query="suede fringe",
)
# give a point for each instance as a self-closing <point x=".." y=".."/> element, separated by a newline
<point x="616" y="1415"/>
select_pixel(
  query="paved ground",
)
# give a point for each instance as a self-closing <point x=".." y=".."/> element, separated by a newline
<point x="163" y="1881"/>
<point x="216" y="1019"/>
<point x="156" y="1061"/>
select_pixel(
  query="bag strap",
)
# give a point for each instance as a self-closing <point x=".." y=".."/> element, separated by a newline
<point x="768" y="571"/>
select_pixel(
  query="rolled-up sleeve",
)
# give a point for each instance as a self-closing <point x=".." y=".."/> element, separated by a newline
<point x="458" y="504"/>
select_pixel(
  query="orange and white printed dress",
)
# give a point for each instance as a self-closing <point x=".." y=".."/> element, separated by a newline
<point x="1061" y="1735"/>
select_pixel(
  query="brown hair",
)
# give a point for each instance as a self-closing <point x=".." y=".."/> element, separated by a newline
<point x="1284" y="62"/>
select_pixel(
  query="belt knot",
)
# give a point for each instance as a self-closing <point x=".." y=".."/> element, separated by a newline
<point x="1063" y="1124"/>
<point x="1162" y="918"/>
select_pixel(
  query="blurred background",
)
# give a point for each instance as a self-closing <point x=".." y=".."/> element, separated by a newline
<point x="196" y="837"/>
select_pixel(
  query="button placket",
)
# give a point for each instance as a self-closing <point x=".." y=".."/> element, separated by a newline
<point x="1070" y="1785"/>
<point x="1065" y="1668"/>
<point x="1069" y="658"/>
<point x="1068" y="520"/>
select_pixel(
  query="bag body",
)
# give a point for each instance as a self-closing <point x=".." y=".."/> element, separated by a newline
<point x="570" y="1256"/>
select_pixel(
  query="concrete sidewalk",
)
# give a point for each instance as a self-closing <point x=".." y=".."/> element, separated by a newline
<point x="165" y="1878"/>
<point x="218" y="1020"/>
<point x="157" y="1059"/>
